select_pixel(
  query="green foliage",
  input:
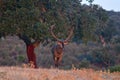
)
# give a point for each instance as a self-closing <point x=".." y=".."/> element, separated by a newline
<point x="111" y="32"/>
<point x="33" y="18"/>
<point x="11" y="52"/>
<point x="115" y="39"/>
<point x="90" y="1"/>
<point x="84" y="63"/>
<point x="103" y="56"/>
<point x="18" y="15"/>
<point x="21" y="58"/>
<point x="115" y="68"/>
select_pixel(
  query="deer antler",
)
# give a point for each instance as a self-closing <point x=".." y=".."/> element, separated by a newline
<point x="71" y="32"/>
<point x="52" y="26"/>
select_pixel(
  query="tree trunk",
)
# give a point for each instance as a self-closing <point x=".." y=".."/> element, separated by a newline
<point x="31" y="55"/>
<point x="30" y="50"/>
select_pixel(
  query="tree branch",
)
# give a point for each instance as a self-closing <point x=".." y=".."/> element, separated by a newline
<point x="25" y="38"/>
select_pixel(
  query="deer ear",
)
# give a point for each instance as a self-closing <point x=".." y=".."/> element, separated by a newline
<point x="66" y="42"/>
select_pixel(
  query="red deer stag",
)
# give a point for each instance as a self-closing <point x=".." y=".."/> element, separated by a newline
<point x="57" y="49"/>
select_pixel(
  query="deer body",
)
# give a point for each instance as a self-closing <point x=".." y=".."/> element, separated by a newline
<point x="57" y="52"/>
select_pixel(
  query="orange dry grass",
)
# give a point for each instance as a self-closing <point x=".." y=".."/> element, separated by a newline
<point x="17" y="73"/>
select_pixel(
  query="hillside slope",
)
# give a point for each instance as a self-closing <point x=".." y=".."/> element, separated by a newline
<point x="17" y="73"/>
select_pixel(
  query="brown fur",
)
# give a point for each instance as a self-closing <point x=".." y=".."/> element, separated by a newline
<point x="57" y="51"/>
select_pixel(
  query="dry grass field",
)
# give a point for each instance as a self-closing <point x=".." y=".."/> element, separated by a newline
<point x="19" y="73"/>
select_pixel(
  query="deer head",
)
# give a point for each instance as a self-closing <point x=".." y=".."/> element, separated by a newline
<point x="60" y="42"/>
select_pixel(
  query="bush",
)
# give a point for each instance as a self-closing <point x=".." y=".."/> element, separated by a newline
<point x="21" y="58"/>
<point x="115" y="68"/>
<point x="115" y="39"/>
<point x="117" y="47"/>
<point x="84" y="63"/>
<point x="103" y="57"/>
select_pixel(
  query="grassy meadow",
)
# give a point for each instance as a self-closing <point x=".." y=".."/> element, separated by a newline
<point x="19" y="73"/>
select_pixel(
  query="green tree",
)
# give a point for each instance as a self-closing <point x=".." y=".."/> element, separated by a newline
<point x="31" y="19"/>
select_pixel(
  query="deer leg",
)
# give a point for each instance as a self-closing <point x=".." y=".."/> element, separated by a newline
<point x="56" y="61"/>
<point x="59" y="60"/>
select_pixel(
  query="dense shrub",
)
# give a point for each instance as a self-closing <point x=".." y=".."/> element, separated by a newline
<point x="117" y="48"/>
<point x="84" y="63"/>
<point x="115" y="68"/>
<point x="103" y="57"/>
<point x="115" y="39"/>
<point x="13" y="52"/>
